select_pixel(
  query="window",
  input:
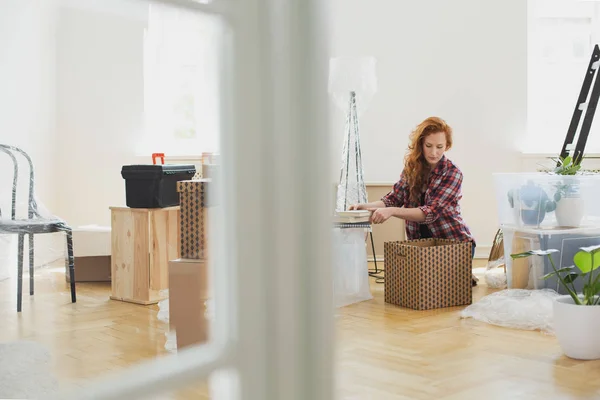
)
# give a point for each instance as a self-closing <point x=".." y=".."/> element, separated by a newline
<point x="561" y="38"/>
<point x="181" y="93"/>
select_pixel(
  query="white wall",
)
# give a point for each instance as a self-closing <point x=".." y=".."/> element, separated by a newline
<point x="27" y="71"/>
<point x="462" y="60"/>
<point x="72" y="96"/>
<point x="100" y="105"/>
<point x="27" y="113"/>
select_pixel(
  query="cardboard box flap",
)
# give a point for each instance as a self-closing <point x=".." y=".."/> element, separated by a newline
<point x="430" y="242"/>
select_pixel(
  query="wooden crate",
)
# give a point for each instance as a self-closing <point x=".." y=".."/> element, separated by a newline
<point x="143" y="240"/>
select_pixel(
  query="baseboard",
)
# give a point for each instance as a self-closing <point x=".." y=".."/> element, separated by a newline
<point x="481" y="252"/>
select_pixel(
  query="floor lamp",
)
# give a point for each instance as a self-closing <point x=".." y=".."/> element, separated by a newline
<point x="352" y="84"/>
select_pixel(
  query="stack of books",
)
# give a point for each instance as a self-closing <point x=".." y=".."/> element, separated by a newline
<point x="352" y="217"/>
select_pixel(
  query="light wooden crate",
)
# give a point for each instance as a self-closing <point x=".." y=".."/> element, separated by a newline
<point x="143" y="240"/>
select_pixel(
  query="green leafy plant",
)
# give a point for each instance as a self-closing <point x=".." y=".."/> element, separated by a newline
<point x="565" y="190"/>
<point x="586" y="262"/>
<point x="567" y="165"/>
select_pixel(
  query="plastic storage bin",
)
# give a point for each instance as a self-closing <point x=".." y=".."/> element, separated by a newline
<point x="527" y="273"/>
<point x="545" y="200"/>
<point x="154" y="186"/>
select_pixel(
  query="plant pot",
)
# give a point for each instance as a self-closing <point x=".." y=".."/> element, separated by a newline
<point x="569" y="211"/>
<point x="577" y="328"/>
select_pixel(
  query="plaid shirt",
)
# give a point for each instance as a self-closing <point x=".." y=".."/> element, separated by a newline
<point x="442" y="211"/>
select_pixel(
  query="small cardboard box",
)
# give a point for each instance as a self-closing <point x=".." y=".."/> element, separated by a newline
<point x="92" y="252"/>
<point x="188" y="293"/>
<point x="193" y="218"/>
<point x="90" y="269"/>
<point x="425" y="274"/>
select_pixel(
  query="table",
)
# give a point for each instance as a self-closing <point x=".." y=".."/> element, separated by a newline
<point x="143" y="240"/>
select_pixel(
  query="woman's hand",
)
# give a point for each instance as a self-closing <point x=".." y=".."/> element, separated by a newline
<point x="380" y="215"/>
<point x="356" y="207"/>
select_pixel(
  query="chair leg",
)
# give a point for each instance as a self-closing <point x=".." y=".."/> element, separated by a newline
<point x="31" y="272"/>
<point x="71" y="261"/>
<point x="20" y="273"/>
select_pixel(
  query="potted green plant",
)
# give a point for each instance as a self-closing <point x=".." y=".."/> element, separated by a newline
<point x="567" y="165"/>
<point x="576" y="315"/>
<point x="569" y="203"/>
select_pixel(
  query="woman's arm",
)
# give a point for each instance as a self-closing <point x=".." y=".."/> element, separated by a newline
<point x="410" y="214"/>
<point x="380" y="215"/>
<point x="395" y="198"/>
<point x="443" y="198"/>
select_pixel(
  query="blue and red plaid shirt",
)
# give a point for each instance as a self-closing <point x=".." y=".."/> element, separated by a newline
<point x="442" y="210"/>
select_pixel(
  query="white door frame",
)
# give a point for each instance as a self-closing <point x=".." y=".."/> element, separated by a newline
<point x="272" y="278"/>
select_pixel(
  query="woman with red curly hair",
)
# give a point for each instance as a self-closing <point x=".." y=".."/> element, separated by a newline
<point x="429" y="190"/>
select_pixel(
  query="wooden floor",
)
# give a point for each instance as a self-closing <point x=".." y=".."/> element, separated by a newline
<point x="384" y="352"/>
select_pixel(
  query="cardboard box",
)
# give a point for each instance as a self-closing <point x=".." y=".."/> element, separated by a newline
<point x="91" y="269"/>
<point x="425" y="274"/>
<point x="91" y="249"/>
<point x="188" y="293"/>
<point x="194" y="218"/>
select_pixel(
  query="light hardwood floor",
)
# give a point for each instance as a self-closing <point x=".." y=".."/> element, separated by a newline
<point x="383" y="351"/>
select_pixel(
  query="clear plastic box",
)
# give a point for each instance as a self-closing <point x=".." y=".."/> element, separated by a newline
<point x="544" y="200"/>
<point x="526" y="273"/>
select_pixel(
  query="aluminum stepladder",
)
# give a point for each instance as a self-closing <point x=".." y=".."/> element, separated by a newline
<point x="587" y="105"/>
<point x="583" y="104"/>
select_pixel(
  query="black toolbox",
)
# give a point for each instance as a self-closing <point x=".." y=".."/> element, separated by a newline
<point x="154" y="186"/>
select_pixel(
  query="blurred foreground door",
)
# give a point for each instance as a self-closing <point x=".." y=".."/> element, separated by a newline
<point x="272" y="337"/>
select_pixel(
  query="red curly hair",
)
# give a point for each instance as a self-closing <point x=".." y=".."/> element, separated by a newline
<point x="416" y="168"/>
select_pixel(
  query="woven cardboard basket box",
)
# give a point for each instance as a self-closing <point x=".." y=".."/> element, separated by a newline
<point x="193" y="218"/>
<point x="425" y="274"/>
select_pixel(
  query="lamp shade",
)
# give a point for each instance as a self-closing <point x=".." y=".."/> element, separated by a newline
<point x="352" y="74"/>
